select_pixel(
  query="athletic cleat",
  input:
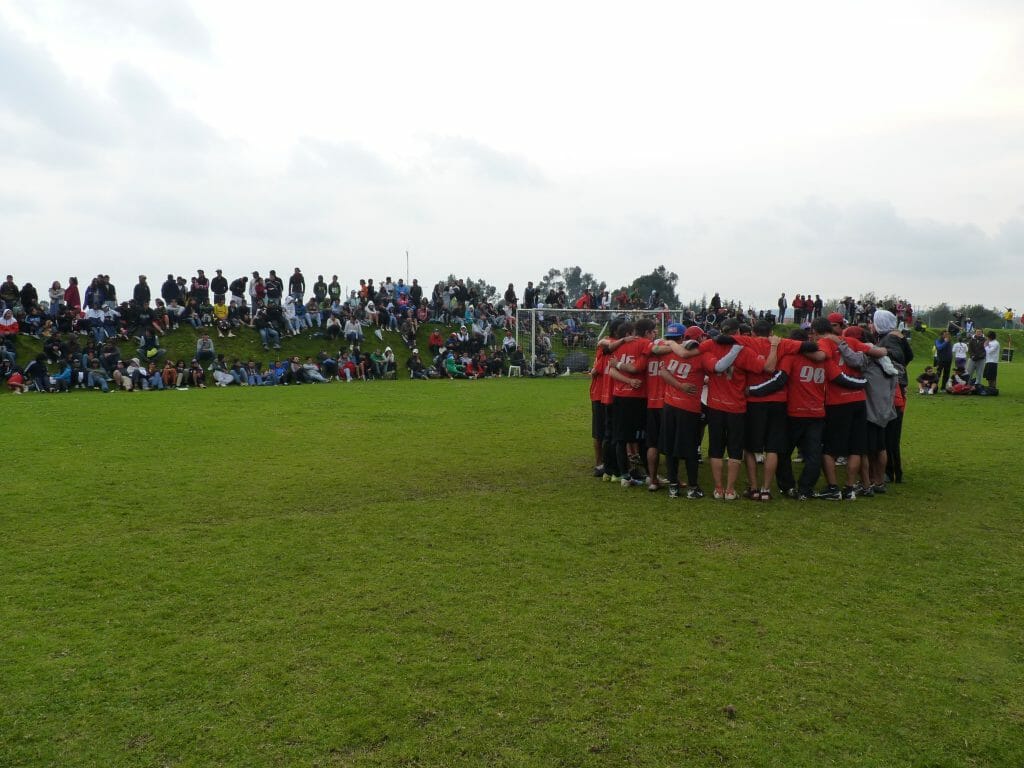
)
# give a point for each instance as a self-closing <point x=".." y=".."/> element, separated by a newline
<point x="606" y="478"/>
<point x="831" y="493"/>
<point x="765" y="495"/>
<point x="804" y="497"/>
<point x="673" y="490"/>
<point x="694" y="493"/>
<point x="652" y="487"/>
<point x="731" y="496"/>
<point x="879" y="488"/>
<point x="849" y="494"/>
<point x="865" y="493"/>
<point x="752" y="493"/>
<point x="718" y="493"/>
<point x="599" y="471"/>
<point x="789" y="493"/>
<point x="629" y="482"/>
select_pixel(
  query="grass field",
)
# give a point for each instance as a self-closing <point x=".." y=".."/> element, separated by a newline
<point x="424" y="573"/>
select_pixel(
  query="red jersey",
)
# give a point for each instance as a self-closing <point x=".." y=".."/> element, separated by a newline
<point x="806" y="386"/>
<point x="596" y="380"/>
<point x="685" y="370"/>
<point x="655" y="386"/>
<point x="634" y="353"/>
<point x="763" y="346"/>
<point x="606" y="381"/>
<point x="836" y="395"/>
<point x="727" y="391"/>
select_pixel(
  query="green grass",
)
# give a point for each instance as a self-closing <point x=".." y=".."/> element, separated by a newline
<point x="423" y="573"/>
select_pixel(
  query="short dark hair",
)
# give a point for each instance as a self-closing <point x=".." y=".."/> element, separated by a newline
<point x="821" y="325"/>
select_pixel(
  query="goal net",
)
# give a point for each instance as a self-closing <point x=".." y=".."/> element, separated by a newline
<point x="556" y="341"/>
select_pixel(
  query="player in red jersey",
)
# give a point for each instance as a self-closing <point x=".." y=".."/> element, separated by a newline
<point x="629" y="400"/>
<point x="598" y="410"/>
<point x="727" y="402"/>
<point x="846" y="420"/>
<point x="683" y="379"/>
<point x="766" y="428"/>
<point x="805" y="381"/>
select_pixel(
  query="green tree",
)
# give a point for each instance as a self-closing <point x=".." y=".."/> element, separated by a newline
<point x="577" y="281"/>
<point x="660" y="280"/>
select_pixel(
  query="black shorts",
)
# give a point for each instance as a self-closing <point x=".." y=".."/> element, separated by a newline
<point x="653" y="431"/>
<point x="876" y="438"/>
<point x="629" y="415"/>
<point x="725" y="433"/>
<point x="598" y="419"/>
<point x="989" y="372"/>
<point x="680" y="433"/>
<point x="766" y="427"/>
<point x="846" y="429"/>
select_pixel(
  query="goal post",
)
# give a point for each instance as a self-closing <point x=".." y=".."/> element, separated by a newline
<point x="566" y="339"/>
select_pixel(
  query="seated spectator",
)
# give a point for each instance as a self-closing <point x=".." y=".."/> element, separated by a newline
<point x="928" y="382"/>
<point x="508" y="344"/>
<point x="222" y="376"/>
<point x="959" y="383"/>
<point x="417" y="370"/>
<point x="332" y="327"/>
<point x="8" y="333"/>
<point x="36" y="374"/>
<point x="435" y="342"/>
<point x="169" y="374"/>
<point x="154" y="377"/>
<point x="265" y="327"/>
<point x="204" y="349"/>
<point x="353" y="331"/>
<point x="196" y="376"/>
<point x="312" y="372"/>
<point x="452" y="368"/>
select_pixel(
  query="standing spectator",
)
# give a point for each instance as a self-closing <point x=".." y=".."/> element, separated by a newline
<point x="976" y="356"/>
<point x="9" y="293"/>
<point x="56" y="298"/>
<point x="141" y="294"/>
<point x="169" y="290"/>
<point x="237" y="288"/>
<point x="275" y="288"/>
<point x="782" y="307"/>
<point x="72" y="298"/>
<point x="991" y="359"/>
<point x="960" y="354"/>
<point x="944" y="358"/>
<point x="297" y="284"/>
<point x="219" y="286"/>
<point x="201" y="287"/>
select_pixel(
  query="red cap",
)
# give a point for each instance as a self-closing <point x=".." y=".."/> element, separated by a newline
<point x="693" y="332"/>
<point x="835" y="317"/>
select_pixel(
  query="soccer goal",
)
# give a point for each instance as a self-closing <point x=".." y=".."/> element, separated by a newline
<point x="559" y="341"/>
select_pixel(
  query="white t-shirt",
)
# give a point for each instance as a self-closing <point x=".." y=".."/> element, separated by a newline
<point x="960" y="351"/>
<point x="992" y="351"/>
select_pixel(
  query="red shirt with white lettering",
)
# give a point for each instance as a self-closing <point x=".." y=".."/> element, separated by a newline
<point x="655" y="386"/>
<point x="685" y="370"/>
<point x="634" y="353"/>
<point x="806" y="385"/>
<point x="763" y="346"/>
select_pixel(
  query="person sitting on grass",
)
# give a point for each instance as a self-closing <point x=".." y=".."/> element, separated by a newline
<point x="452" y="369"/>
<point x="959" y="383"/>
<point x="12" y="376"/>
<point x="928" y="382"/>
<point x="204" y="349"/>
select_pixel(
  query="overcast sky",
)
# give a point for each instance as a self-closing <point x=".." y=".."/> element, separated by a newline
<point x="751" y="147"/>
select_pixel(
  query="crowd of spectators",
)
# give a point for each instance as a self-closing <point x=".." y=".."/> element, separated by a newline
<point x="82" y="333"/>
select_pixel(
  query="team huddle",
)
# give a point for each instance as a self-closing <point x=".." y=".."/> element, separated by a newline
<point x="835" y="394"/>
